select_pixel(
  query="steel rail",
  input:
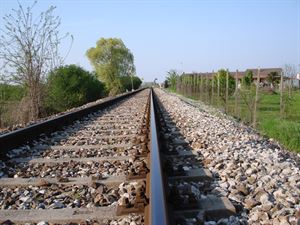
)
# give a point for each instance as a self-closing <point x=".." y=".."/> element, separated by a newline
<point x="21" y="136"/>
<point x="158" y="209"/>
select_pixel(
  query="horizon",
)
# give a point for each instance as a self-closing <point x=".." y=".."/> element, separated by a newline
<point x="188" y="36"/>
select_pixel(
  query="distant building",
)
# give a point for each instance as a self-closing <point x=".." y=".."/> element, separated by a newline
<point x="263" y="74"/>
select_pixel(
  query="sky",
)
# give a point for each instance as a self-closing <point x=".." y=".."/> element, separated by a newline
<point x="185" y="35"/>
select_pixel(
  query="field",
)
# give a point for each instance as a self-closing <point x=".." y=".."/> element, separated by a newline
<point x="286" y="129"/>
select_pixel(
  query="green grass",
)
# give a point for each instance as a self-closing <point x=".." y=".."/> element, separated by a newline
<point x="269" y="121"/>
<point x="284" y="131"/>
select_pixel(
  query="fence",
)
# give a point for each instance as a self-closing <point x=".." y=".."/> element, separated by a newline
<point x="257" y="101"/>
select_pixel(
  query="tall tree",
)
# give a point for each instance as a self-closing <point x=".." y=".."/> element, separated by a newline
<point x="112" y="60"/>
<point x="29" y="49"/>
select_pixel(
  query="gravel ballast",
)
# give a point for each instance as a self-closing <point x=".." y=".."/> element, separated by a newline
<point x="260" y="178"/>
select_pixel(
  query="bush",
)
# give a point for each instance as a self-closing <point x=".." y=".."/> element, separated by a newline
<point x="10" y="92"/>
<point x="127" y="85"/>
<point x="10" y="97"/>
<point x="71" y="86"/>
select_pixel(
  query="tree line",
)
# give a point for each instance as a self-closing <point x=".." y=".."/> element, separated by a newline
<point x="34" y="80"/>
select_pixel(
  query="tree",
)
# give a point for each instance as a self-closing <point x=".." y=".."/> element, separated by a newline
<point x="127" y="85"/>
<point x="112" y="60"/>
<point x="247" y="80"/>
<point x="289" y="71"/>
<point x="221" y="79"/>
<point x="71" y="86"/>
<point x="273" y="79"/>
<point x="286" y="97"/>
<point x="248" y="92"/>
<point x="29" y="49"/>
<point x="172" y="77"/>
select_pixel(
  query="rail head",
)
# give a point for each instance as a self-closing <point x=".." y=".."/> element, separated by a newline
<point x="158" y="209"/>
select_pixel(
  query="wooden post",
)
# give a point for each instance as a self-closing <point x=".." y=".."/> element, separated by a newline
<point x="236" y="94"/>
<point x="256" y="98"/>
<point x="201" y="88"/>
<point x="226" y="93"/>
<point x="207" y="88"/>
<point x="191" y="85"/>
<point x="290" y="86"/>
<point x="195" y="85"/>
<point x="212" y="88"/>
<point x="218" y="77"/>
<point x="281" y="95"/>
<point x="198" y="85"/>
<point x="194" y="82"/>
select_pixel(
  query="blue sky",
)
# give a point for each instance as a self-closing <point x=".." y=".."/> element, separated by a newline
<point x="189" y="36"/>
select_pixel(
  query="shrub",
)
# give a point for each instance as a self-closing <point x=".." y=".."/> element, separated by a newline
<point x="71" y="86"/>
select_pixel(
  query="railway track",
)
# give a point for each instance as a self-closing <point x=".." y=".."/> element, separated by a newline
<point x="92" y="171"/>
<point x="109" y="166"/>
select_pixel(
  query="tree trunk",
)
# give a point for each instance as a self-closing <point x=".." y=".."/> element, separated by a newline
<point x="34" y="101"/>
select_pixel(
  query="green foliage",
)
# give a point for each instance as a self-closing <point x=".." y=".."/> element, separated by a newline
<point x="71" y="86"/>
<point x="112" y="60"/>
<point x="286" y="132"/>
<point x="10" y="96"/>
<point x="273" y="78"/>
<point x="127" y="85"/>
<point x="221" y="76"/>
<point x="247" y="80"/>
<point x="9" y="92"/>
<point x="172" y="77"/>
